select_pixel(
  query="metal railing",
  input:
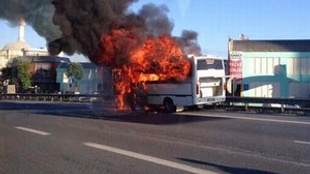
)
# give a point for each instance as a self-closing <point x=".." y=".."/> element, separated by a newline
<point x="244" y="102"/>
<point x="300" y="104"/>
<point x="54" y="97"/>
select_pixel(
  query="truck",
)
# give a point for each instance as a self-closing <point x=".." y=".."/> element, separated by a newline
<point x="204" y="85"/>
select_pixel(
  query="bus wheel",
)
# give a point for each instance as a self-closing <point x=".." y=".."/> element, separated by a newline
<point x="169" y="105"/>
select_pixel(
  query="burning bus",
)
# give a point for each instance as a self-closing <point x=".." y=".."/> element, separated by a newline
<point x="205" y="84"/>
<point x="137" y="46"/>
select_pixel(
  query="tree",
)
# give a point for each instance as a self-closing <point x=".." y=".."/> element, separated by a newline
<point x="6" y="74"/>
<point x="75" y="71"/>
<point x="23" y="72"/>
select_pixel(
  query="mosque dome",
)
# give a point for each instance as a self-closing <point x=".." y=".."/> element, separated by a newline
<point x="16" y="46"/>
<point x="20" y="44"/>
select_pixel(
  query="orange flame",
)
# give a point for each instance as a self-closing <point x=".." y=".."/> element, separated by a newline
<point x="135" y="61"/>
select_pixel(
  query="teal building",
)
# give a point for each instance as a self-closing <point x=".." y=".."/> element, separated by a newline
<point x="270" y="68"/>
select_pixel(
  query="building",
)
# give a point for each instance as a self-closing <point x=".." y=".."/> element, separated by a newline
<point x="43" y="66"/>
<point x="96" y="79"/>
<point x="43" y="71"/>
<point x="19" y="48"/>
<point x="270" y="68"/>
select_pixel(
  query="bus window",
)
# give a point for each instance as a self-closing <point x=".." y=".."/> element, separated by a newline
<point x="209" y="64"/>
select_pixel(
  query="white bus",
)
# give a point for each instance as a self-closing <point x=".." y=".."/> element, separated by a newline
<point x="204" y="85"/>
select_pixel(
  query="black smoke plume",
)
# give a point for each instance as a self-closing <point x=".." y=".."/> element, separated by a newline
<point x="188" y="42"/>
<point x="76" y="26"/>
<point x="37" y="13"/>
<point x="83" y="22"/>
<point x="156" y="19"/>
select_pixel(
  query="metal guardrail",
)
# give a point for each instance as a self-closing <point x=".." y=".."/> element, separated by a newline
<point x="290" y="101"/>
<point x="261" y="100"/>
<point x="246" y="102"/>
<point x="285" y="103"/>
<point x="54" y="97"/>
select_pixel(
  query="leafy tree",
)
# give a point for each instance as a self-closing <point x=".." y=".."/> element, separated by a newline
<point x="17" y="73"/>
<point x="6" y="74"/>
<point x="23" y="72"/>
<point x="9" y="75"/>
<point x="75" y="71"/>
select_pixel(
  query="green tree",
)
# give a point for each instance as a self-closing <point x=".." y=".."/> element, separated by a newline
<point x="75" y="71"/>
<point x="6" y="74"/>
<point x="23" y="72"/>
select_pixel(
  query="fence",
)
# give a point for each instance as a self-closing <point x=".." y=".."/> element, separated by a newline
<point x="54" y="97"/>
<point x="299" y="104"/>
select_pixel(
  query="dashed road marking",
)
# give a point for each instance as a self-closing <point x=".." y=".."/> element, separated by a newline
<point x="33" y="131"/>
<point x="150" y="159"/>
<point x="302" y="142"/>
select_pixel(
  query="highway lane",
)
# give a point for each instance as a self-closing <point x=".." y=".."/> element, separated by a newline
<point x="203" y="143"/>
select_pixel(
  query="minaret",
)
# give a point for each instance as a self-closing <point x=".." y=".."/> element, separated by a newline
<point x="21" y="30"/>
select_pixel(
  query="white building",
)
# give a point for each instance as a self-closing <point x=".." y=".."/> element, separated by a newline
<point x="19" y="48"/>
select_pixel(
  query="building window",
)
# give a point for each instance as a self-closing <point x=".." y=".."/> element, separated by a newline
<point x="296" y="66"/>
<point x="257" y="69"/>
<point x="303" y="65"/>
<point x="42" y="70"/>
<point x="262" y="65"/>
<point x="65" y="78"/>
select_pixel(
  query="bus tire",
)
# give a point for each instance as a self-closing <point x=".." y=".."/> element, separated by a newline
<point x="169" y="105"/>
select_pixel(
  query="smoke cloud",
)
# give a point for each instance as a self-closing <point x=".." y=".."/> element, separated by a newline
<point x="156" y="19"/>
<point x="76" y="26"/>
<point x="188" y="42"/>
<point x="37" y="13"/>
<point x="83" y="22"/>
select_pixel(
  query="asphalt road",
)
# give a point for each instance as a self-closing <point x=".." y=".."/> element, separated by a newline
<point x="67" y="138"/>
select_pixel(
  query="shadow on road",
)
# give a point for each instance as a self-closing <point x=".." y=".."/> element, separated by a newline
<point x="145" y="118"/>
<point x="232" y="170"/>
<point x="162" y="119"/>
<point x="42" y="105"/>
<point x="81" y="110"/>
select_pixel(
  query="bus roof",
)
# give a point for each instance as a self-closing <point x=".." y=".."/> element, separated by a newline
<point x="205" y="57"/>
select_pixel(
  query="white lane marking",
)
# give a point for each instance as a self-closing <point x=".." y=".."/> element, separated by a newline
<point x="150" y="159"/>
<point x="246" y="118"/>
<point x="33" y="131"/>
<point x="302" y="142"/>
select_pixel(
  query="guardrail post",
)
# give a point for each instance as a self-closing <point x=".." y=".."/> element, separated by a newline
<point x="282" y="108"/>
<point x="246" y="106"/>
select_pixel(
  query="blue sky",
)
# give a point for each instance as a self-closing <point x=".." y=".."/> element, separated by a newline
<point x="215" y="21"/>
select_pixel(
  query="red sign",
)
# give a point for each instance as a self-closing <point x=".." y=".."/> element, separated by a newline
<point x="235" y="65"/>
